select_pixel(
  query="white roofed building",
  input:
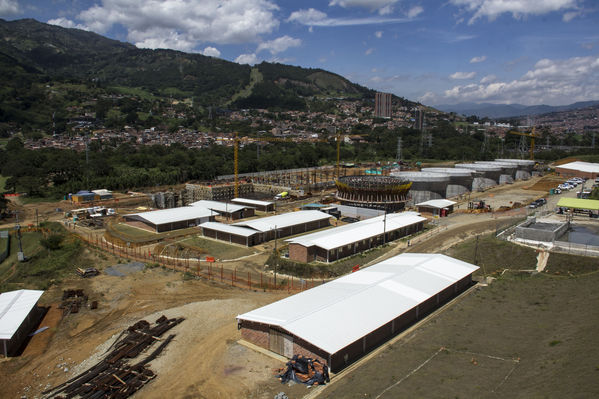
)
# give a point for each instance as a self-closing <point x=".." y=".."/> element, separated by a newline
<point x="340" y="242"/>
<point x="264" y="206"/>
<point x="340" y="321"/>
<point x="436" y="207"/>
<point x="227" y="210"/>
<point x="19" y="315"/>
<point x="587" y="170"/>
<point x="287" y="224"/>
<point x="171" y="219"/>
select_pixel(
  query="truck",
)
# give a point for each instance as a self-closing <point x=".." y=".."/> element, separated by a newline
<point x="282" y="196"/>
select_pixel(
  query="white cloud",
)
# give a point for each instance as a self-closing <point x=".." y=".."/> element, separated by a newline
<point x="183" y="24"/>
<point x="553" y="82"/>
<point x="279" y="44"/>
<point x="307" y="17"/>
<point x="211" y="52"/>
<point x="369" y="51"/>
<point x="488" y="79"/>
<point x="378" y="34"/>
<point x="66" y="23"/>
<point x="518" y="8"/>
<point x="569" y="16"/>
<point x="382" y="6"/>
<point x="415" y="11"/>
<point x="462" y="75"/>
<point x="247" y="59"/>
<point x="312" y="17"/>
<point x="475" y="60"/>
<point x="9" y="7"/>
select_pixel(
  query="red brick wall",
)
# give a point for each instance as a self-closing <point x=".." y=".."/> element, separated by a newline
<point x="298" y="253"/>
<point x="256" y="333"/>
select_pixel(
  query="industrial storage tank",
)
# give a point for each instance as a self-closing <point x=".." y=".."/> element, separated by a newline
<point x="490" y="175"/>
<point x="425" y="185"/>
<point x="460" y="180"/>
<point x="508" y="170"/>
<point x="524" y="166"/>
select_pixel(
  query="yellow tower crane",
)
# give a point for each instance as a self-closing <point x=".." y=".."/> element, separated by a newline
<point x="532" y="136"/>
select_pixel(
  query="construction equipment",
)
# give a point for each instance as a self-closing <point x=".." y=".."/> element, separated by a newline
<point x="532" y="136"/>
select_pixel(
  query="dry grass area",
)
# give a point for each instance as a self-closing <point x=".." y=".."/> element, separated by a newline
<point x="517" y="338"/>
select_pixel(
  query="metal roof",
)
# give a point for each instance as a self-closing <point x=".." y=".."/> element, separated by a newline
<point x="283" y="220"/>
<point x="14" y="308"/>
<point x="437" y="203"/>
<point x="578" y="203"/>
<point x="354" y="232"/>
<point x="219" y="206"/>
<point x="172" y="215"/>
<point x="227" y="228"/>
<point x="333" y="315"/>
<point x="581" y="166"/>
<point x="252" y="201"/>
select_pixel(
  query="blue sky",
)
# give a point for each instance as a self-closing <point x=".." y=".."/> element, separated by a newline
<point x="436" y="52"/>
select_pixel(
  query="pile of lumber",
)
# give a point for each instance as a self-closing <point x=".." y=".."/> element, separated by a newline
<point x="115" y="376"/>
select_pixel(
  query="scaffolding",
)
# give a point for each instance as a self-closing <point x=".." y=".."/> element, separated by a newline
<point x="376" y="192"/>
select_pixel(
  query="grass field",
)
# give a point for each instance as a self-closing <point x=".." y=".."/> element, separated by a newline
<point x="523" y="336"/>
<point x="3" y="182"/>
<point x="520" y="337"/>
<point x="496" y="255"/>
<point x="218" y="249"/>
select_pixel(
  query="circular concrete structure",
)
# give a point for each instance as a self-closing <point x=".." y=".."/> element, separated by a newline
<point x="378" y="192"/>
<point x="508" y="170"/>
<point x="524" y="167"/>
<point x="460" y="180"/>
<point x="490" y="175"/>
<point x="425" y="185"/>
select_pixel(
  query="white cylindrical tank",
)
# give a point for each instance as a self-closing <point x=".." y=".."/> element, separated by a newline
<point x="508" y="170"/>
<point x="460" y="179"/>
<point x="490" y="175"/>
<point x="425" y="185"/>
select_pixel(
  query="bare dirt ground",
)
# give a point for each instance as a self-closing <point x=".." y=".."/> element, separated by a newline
<point x="204" y="361"/>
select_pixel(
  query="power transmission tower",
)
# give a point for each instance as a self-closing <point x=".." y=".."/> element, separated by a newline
<point x="399" y="157"/>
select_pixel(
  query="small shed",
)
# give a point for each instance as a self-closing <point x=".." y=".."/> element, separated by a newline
<point x="103" y="193"/>
<point x="84" y="196"/>
<point x="436" y="207"/>
<point x="263" y="206"/>
<point x="19" y="314"/>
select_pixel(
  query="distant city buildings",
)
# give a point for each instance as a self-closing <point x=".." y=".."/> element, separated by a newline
<point x="382" y="105"/>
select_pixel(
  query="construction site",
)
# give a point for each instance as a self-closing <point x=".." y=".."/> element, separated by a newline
<point x="234" y="288"/>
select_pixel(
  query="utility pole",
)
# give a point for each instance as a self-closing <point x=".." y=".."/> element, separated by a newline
<point x="399" y="157"/>
<point x="276" y="256"/>
<point x="20" y="255"/>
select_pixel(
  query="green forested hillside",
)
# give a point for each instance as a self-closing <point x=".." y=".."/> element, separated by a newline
<point x="61" y="54"/>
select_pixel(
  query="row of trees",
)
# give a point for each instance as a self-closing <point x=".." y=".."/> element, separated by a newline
<point x="53" y="172"/>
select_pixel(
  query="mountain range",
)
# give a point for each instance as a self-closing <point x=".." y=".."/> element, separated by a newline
<point x="490" y="110"/>
<point x="51" y="52"/>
